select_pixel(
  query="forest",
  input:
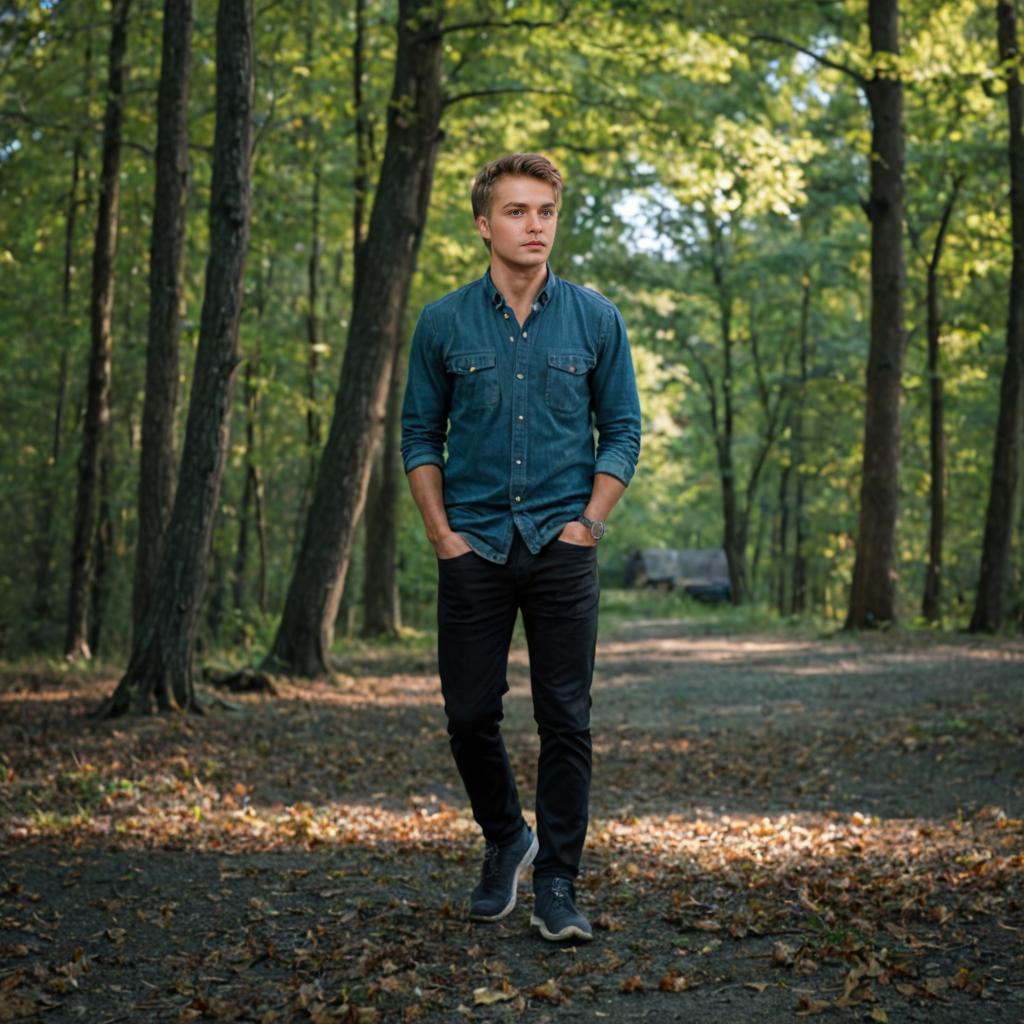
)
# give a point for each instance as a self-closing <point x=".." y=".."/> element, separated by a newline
<point x="219" y="221"/>
<point x="807" y="211"/>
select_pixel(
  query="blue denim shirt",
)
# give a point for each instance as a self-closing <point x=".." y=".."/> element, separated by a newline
<point x="517" y="405"/>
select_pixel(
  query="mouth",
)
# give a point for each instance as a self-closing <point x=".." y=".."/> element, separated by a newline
<point x="534" y="245"/>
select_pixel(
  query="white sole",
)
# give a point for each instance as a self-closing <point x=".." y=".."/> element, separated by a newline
<point x="527" y="860"/>
<point x="569" y="932"/>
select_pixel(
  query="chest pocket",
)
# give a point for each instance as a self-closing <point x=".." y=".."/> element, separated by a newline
<point x="567" y="387"/>
<point x="476" y="380"/>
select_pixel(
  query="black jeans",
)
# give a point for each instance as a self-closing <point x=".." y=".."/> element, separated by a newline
<point x="477" y="601"/>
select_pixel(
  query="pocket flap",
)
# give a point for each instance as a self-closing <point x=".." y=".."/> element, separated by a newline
<point x="470" y="363"/>
<point x="571" y="362"/>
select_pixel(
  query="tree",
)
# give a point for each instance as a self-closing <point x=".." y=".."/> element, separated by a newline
<point x="872" y="595"/>
<point x="388" y="259"/>
<point x="932" y="597"/>
<point x="989" y="607"/>
<point x="166" y="266"/>
<point x="160" y="668"/>
<point x="97" y="412"/>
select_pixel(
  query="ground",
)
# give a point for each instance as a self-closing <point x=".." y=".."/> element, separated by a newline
<point x="782" y="824"/>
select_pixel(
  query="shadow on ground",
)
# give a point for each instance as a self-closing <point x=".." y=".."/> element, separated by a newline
<point x="779" y="826"/>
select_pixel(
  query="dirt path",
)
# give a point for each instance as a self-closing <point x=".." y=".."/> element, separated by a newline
<point x="780" y="826"/>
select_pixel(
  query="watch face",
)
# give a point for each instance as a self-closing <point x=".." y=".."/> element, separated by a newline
<point x="597" y="530"/>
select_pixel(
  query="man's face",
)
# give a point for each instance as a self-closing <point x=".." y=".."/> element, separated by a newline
<point x="522" y="222"/>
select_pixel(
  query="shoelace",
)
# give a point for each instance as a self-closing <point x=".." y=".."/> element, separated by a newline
<point x="561" y="889"/>
<point x="490" y="860"/>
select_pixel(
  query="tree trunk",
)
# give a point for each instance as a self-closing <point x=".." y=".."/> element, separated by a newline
<point x="166" y="267"/>
<point x="160" y="668"/>
<point x="41" y="596"/>
<point x="931" y="600"/>
<point x="872" y="596"/>
<point x="734" y="549"/>
<point x="252" y="497"/>
<point x="781" y="532"/>
<point x="103" y="551"/>
<point x="798" y="588"/>
<point x="989" y="608"/>
<point x="389" y="257"/>
<point x="382" y="609"/>
<point x="97" y="413"/>
<point x="314" y="337"/>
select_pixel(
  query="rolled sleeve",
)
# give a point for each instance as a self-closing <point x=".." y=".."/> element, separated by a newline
<point x="427" y="400"/>
<point x="616" y="402"/>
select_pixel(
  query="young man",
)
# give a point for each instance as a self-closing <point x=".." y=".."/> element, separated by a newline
<point x="514" y="372"/>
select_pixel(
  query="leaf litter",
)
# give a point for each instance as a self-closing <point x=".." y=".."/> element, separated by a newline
<point x="779" y="829"/>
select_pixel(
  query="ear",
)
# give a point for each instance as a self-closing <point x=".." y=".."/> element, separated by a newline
<point x="483" y="227"/>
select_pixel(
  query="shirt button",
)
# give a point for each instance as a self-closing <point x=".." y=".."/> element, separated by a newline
<point x="472" y="369"/>
<point x="524" y="334"/>
<point x="520" y="376"/>
<point x="519" y="462"/>
<point x="572" y="369"/>
<point x="518" y="498"/>
<point x="506" y="316"/>
<point x="520" y="417"/>
<point x="511" y="338"/>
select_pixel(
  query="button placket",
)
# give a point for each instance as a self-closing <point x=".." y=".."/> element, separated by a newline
<point x="520" y="395"/>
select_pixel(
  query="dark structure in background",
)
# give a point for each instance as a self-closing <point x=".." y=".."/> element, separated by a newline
<point x="702" y="573"/>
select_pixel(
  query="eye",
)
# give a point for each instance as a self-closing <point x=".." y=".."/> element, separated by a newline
<point x="514" y="213"/>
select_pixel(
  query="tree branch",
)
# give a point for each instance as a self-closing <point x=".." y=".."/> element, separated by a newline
<point x="466" y="26"/>
<point x="504" y="90"/>
<point x="768" y="37"/>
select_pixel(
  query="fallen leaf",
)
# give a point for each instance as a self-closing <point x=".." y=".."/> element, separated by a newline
<point x="548" y="991"/>
<point x="634" y="983"/>
<point x="14" y="1006"/>
<point x="783" y="954"/>
<point x="673" y="982"/>
<point x="757" y="986"/>
<point x="879" y="1015"/>
<point x="490" y="996"/>
<point x="807" y="1005"/>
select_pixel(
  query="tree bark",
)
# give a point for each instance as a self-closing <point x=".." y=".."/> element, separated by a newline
<point x="931" y="599"/>
<point x="798" y="588"/>
<point x="166" y="268"/>
<point x="160" y="668"/>
<point x="252" y="495"/>
<point x="389" y="253"/>
<point x="97" y="413"/>
<point x="104" y="549"/>
<point x="872" y="596"/>
<point x="989" y="607"/>
<point x="45" y="541"/>
<point x="382" y="609"/>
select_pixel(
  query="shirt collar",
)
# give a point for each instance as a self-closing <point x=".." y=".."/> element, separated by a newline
<point x="540" y="300"/>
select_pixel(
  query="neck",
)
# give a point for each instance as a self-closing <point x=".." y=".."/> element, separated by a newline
<point x="518" y="285"/>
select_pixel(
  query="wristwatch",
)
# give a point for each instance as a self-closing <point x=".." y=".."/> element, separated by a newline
<point x="595" y="526"/>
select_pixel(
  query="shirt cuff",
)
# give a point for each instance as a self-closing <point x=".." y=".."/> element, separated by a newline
<point x="621" y="469"/>
<point x="418" y="459"/>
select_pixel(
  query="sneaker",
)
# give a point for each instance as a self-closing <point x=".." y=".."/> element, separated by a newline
<point x="555" y="913"/>
<point x="495" y="896"/>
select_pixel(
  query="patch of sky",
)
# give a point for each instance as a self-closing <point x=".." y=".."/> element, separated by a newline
<point x="643" y="213"/>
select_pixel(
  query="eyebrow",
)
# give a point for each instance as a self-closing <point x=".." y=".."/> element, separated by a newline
<point x="512" y="205"/>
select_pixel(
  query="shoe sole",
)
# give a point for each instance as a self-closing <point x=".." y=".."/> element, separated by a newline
<point x="522" y="866"/>
<point x="570" y="931"/>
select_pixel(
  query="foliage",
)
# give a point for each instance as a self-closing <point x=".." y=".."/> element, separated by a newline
<point x="694" y="142"/>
